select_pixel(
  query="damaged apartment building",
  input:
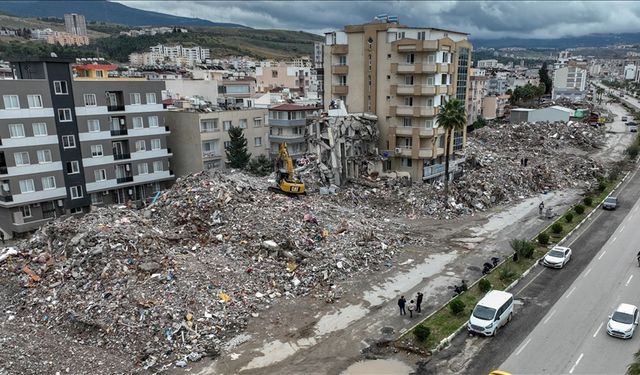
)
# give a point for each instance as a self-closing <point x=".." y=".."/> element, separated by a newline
<point x="67" y="143"/>
<point x="402" y="75"/>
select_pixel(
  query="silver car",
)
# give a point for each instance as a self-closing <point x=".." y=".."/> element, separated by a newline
<point x="610" y="203"/>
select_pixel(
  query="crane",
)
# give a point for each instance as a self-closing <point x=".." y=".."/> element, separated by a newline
<point x="286" y="181"/>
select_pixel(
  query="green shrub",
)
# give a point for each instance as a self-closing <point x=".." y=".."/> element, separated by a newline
<point x="602" y="185"/>
<point x="579" y="209"/>
<point x="556" y="228"/>
<point x="615" y="172"/>
<point x="524" y="248"/>
<point x="568" y="217"/>
<point x="507" y="274"/>
<point x="484" y="285"/>
<point x="421" y="333"/>
<point x="457" y="306"/>
<point x="543" y="238"/>
<point x="588" y="201"/>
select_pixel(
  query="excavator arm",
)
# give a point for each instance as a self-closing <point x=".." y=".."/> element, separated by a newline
<point x="286" y="180"/>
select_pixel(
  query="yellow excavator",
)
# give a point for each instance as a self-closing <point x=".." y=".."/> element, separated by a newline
<point x="286" y="181"/>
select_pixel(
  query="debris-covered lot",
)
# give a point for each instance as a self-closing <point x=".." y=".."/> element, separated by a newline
<point x="121" y="290"/>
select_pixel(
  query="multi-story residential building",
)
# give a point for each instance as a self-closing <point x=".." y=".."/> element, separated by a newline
<point x="231" y="92"/>
<point x="178" y="54"/>
<point x="494" y="106"/>
<point x="497" y="86"/>
<point x="485" y="64"/>
<point x="476" y="92"/>
<point x="200" y="138"/>
<point x="401" y="74"/>
<point x="75" y="24"/>
<point x="318" y="55"/>
<point x="287" y="123"/>
<point x="282" y="75"/>
<point x="68" y="144"/>
<point x="570" y="81"/>
<point x="67" y="39"/>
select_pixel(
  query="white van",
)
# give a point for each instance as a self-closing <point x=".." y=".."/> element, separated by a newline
<point x="492" y="312"/>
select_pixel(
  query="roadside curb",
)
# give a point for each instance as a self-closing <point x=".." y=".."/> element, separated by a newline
<point x="443" y="344"/>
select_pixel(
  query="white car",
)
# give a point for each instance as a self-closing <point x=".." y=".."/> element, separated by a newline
<point x="557" y="257"/>
<point x="623" y="322"/>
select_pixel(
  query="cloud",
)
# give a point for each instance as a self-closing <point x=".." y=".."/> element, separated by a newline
<point x="482" y="19"/>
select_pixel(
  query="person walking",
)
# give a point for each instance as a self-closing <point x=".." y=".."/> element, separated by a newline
<point x="419" y="302"/>
<point x="541" y="207"/>
<point x="401" y="303"/>
<point x="411" y="307"/>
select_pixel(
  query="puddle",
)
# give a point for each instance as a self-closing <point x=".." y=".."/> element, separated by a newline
<point x="277" y="351"/>
<point x="340" y="319"/>
<point x="378" y="367"/>
<point x="406" y="281"/>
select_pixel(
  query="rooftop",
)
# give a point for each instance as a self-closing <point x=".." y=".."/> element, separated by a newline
<point x="294" y="107"/>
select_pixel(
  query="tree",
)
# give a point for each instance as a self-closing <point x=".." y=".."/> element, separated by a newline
<point x="599" y="92"/>
<point x="237" y="154"/>
<point x="479" y="123"/>
<point x="543" y="73"/>
<point x="452" y="117"/>
<point x="260" y="166"/>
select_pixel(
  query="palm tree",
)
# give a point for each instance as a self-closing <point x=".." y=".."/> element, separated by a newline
<point x="599" y="92"/>
<point x="452" y="117"/>
<point x="634" y="367"/>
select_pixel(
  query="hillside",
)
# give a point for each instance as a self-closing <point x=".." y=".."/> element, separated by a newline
<point x="103" y="11"/>
<point x="13" y="22"/>
<point x="591" y="40"/>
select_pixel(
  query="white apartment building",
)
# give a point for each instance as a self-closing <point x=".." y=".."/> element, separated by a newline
<point x="570" y="82"/>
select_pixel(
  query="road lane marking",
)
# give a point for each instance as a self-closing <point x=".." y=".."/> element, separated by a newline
<point x="598" y="330"/>
<point x="523" y="346"/>
<point x="614" y="239"/>
<point x="529" y="283"/>
<point x="621" y="229"/>
<point x="586" y="273"/>
<point x="628" y="281"/>
<point x="571" y="291"/>
<point x="601" y="255"/>
<point x="549" y="317"/>
<point x="576" y="364"/>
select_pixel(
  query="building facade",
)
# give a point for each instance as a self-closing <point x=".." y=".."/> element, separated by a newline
<point x="570" y="82"/>
<point x="69" y="144"/>
<point x="402" y="75"/>
<point x="75" y="24"/>
<point x="474" y="98"/>
<point x="283" y="75"/>
<point x="494" y="106"/>
<point x="287" y="123"/>
<point x="199" y="138"/>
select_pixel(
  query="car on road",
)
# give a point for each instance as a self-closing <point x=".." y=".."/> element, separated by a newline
<point x="557" y="257"/>
<point x="492" y="312"/>
<point x="610" y="203"/>
<point x="624" y="118"/>
<point x="623" y="322"/>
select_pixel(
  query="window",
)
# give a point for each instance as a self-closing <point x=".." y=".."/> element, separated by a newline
<point x="208" y="126"/>
<point x="408" y="101"/>
<point x="27" y="186"/>
<point x="137" y="123"/>
<point x="431" y="59"/>
<point x="257" y="122"/>
<point x="76" y="192"/>
<point x="422" y="35"/>
<point x="96" y="198"/>
<point x="408" y="80"/>
<point x="155" y="144"/>
<point x="274" y="74"/>
<point x="342" y="80"/>
<point x="11" y="101"/>
<point x="143" y="168"/>
<point x="48" y="183"/>
<point x="73" y="167"/>
<point x="78" y="210"/>
<point x="96" y="151"/>
<point x="151" y="98"/>
<point x="141" y="145"/>
<point x="431" y="80"/>
<point x="35" y="101"/>
<point x="342" y="60"/>
<point x="406" y="162"/>
<point x="257" y="141"/>
<point x="44" y="156"/>
<point x="16" y="130"/>
<point x="93" y="125"/>
<point x="26" y="211"/>
<point x="60" y="87"/>
<point x="406" y="121"/>
<point x="90" y="100"/>
<point x="39" y="129"/>
<point x="158" y="166"/>
<point x="408" y="142"/>
<point x="428" y="124"/>
<point x="243" y="123"/>
<point x="64" y="115"/>
<point x="227" y="144"/>
<point x="153" y="121"/>
<point x="100" y="174"/>
<point x="400" y="35"/>
<point x="226" y="125"/>
<point x="135" y="99"/>
<point x="410" y="58"/>
<point x="22" y="158"/>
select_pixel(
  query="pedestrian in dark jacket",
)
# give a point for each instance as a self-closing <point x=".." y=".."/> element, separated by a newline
<point x="419" y="302"/>
<point x="401" y="303"/>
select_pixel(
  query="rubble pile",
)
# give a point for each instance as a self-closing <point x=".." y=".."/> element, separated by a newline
<point x="172" y="282"/>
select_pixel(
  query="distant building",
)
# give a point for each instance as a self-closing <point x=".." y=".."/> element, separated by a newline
<point x="497" y="86"/>
<point x="484" y="64"/>
<point x="494" y="106"/>
<point x="287" y="123"/>
<point x="283" y="76"/>
<point x="551" y="114"/>
<point x="67" y="39"/>
<point x="570" y="82"/>
<point x="476" y="92"/>
<point x="75" y="24"/>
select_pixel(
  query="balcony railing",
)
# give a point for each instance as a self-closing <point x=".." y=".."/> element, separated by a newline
<point x="122" y="180"/>
<point x="116" y="132"/>
<point x="121" y="156"/>
<point x="4" y="170"/>
<point x="6" y="198"/>
<point x="115" y="108"/>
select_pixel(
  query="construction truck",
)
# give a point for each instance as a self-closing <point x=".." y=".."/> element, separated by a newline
<point x="286" y="181"/>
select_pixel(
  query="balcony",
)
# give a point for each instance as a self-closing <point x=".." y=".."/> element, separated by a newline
<point x="6" y="198"/>
<point x="432" y="171"/>
<point x="340" y="69"/>
<point x="403" y="130"/>
<point x="125" y="179"/>
<point x="121" y="156"/>
<point x="117" y="132"/>
<point x="414" y="111"/>
<point x="413" y="90"/>
<point x="289" y="138"/>
<point x="425" y="153"/>
<point x="405" y="151"/>
<point x="418" y="68"/>
<point x="115" y="108"/>
<point x="340" y="89"/>
<point x="339" y="49"/>
<point x="412" y="45"/>
<point x="3" y="170"/>
<point x="211" y="154"/>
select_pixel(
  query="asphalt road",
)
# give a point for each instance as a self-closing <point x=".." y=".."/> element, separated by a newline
<point x="572" y="323"/>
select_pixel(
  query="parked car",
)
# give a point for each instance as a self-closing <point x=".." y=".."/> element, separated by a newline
<point x="492" y="312"/>
<point x="557" y="257"/>
<point x="624" y="118"/>
<point x="623" y="322"/>
<point x="610" y="203"/>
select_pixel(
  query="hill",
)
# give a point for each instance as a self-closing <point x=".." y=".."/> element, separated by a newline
<point x="102" y="11"/>
<point x="13" y="22"/>
<point x="591" y="40"/>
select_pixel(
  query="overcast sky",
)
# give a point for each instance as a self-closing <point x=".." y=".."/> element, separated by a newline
<point x="482" y="19"/>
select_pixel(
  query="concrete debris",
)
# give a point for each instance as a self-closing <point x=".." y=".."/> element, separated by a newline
<point x="172" y="283"/>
